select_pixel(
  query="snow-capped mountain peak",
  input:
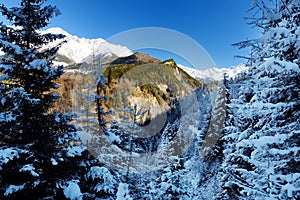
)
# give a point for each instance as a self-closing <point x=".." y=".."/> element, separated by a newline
<point x="57" y="30"/>
<point x="78" y="50"/>
<point x="214" y="74"/>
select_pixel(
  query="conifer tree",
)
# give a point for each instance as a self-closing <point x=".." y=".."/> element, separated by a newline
<point x="28" y="77"/>
<point x="33" y="137"/>
<point x="262" y="138"/>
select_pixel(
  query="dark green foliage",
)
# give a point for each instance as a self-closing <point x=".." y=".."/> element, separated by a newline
<point x="154" y="90"/>
<point x="116" y="71"/>
<point x="28" y="76"/>
<point x="39" y="136"/>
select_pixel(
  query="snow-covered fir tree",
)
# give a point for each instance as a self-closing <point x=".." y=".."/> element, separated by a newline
<point x="38" y="148"/>
<point x="262" y="151"/>
<point x="28" y="76"/>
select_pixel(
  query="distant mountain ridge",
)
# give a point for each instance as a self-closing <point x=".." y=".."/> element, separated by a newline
<point x="82" y="50"/>
<point x="136" y="58"/>
<point x="215" y="74"/>
<point x="78" y="51"/>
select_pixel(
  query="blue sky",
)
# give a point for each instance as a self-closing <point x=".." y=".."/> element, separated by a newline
<point x="214" y="24"/>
